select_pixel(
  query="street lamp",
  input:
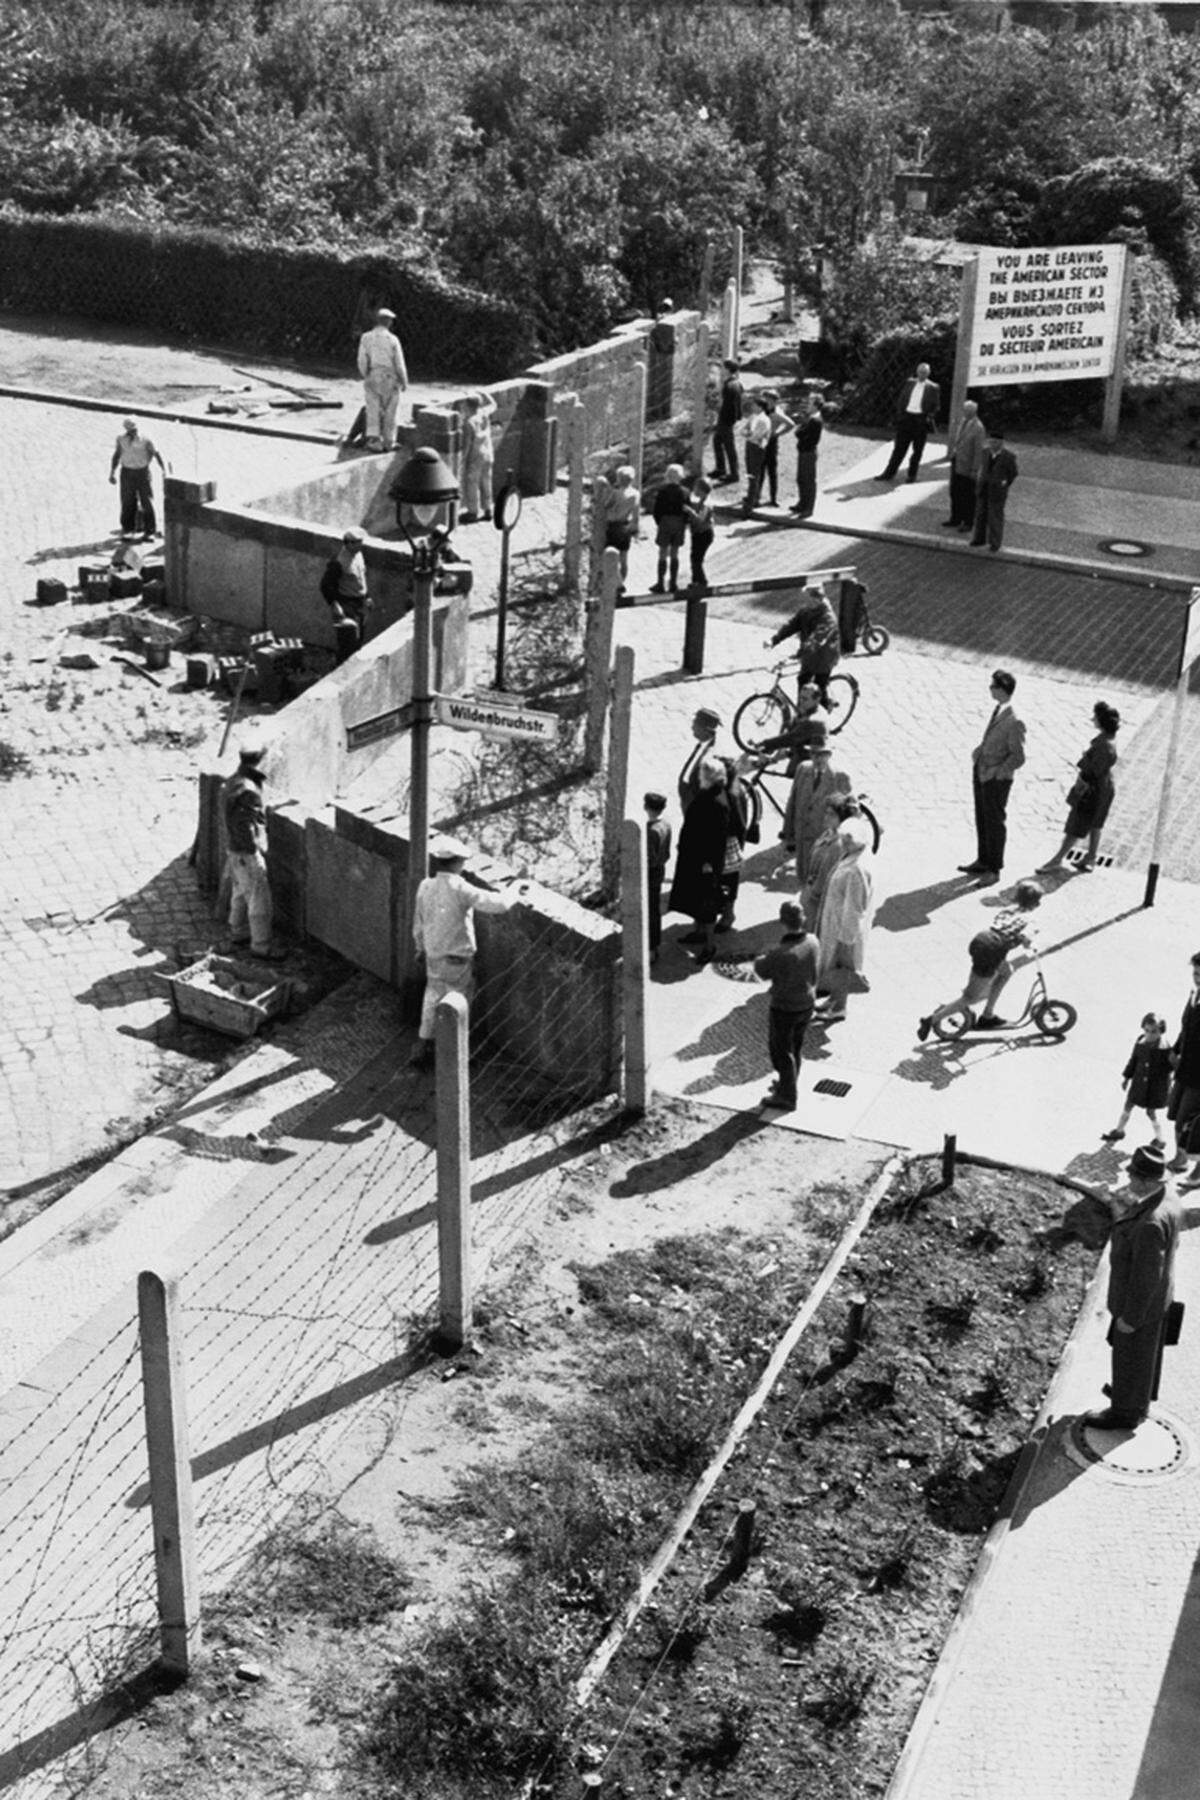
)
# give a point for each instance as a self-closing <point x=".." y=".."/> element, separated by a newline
<point x="423" y="491"/>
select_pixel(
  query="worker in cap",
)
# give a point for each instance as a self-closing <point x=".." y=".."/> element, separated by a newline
<point x="444" y="932"/>
<point x="385" y="376"/>
<point x="131" y="459"/>
<point x="344" y="591"/>
<point x="251" y="914"/>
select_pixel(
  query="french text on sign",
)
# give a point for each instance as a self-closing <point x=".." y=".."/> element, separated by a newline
<point x="495" y="718"/>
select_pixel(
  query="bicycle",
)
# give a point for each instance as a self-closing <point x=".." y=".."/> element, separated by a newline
<point x="770" y="715"/>
<point x="1051" y="1018"/>
<point x="756" y="786"/>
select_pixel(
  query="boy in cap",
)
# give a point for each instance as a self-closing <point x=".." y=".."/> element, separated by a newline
<point x="444" y="932"/>
<point x="132" y="457"/>
<point x="384" y="375"/>
<point x="250" y="910"/>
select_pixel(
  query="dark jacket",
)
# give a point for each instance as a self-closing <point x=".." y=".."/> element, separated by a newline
<point x="997" y="472"/>
<point x="1142" y="1259"/>
<point x="700" y="858"/>
<point x="1186" y="1051"/>
<point x="670" y="502"/>
<point x="931" y="399"/>
<point x="245" y="814"/>
<point x="791" y="968"/>
<point x="732" y="395"/>
<point x="1148" y="1073"/>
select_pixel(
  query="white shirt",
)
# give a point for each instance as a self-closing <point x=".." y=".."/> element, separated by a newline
<point x="916" y="397"/>
<point x="758" y="430"/>
<point x="444" y="923"/>
<point x="379" y="353"/>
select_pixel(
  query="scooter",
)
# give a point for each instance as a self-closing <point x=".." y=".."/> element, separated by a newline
<point x="1049" y="1018"/>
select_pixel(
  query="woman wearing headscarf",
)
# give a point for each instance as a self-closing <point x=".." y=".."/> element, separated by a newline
<point x="1092" y="796"/>
<point x="847" y="913"/>
<point x="825" y="857"/>
<point x="700" y="858"/>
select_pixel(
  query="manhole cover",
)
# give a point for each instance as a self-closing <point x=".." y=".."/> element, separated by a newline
<point x="1125" y="547"/>
<point x="837" y="1088"/>
<point x="1156" y="1450"/>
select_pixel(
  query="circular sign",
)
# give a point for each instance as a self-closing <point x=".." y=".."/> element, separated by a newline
<point x="507" y="509"/>
<point x="1125" y="547"/>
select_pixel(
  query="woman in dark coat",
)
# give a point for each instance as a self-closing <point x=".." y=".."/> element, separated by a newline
<point x="1093" y="792"/>
<point x="700" y="858"/>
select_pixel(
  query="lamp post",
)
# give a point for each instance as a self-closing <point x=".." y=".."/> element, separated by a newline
<point x="423" y="490"/>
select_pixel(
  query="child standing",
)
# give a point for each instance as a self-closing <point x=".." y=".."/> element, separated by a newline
<point x="1147" y="1079"/>
<point x="658" y="855"/>
<point x="478" y="457"/>
<point x="701" y="526"/>
<point x="622" y="514"/>
<point x="670" y="519"/>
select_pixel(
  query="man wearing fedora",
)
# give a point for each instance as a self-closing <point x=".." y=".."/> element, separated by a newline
<point x="1147" y="1219"/>
<point x="444" y="931"/>
<point x="385" y="376"/>
<point x="816" y="782"/>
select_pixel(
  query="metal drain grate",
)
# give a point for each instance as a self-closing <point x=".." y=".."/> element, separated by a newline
<point x="838" y="1089"/>
<point x="1155" y="1451"/>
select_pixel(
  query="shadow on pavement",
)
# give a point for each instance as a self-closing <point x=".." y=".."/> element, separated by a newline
<point x="55" y="552"/>
<point x="738" y="1040"/>
<point x="905" y="912"/>
<point x="689" y="1159"/>
<point x="1047" y="1469"/>
<point x="1173" y="1741"/>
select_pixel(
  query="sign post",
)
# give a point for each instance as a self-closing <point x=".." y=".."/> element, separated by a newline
<point x="1189" y="650"/>
<point x="505" y="514"/>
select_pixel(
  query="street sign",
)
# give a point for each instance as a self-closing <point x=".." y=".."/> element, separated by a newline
<point x="495" y="717"/>
<point x="383" y="725"/>
<point x="1190" y="646"/>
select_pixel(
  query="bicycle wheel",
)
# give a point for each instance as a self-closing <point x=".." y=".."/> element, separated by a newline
<point x="841" y="697"/>
<point x="761" y="716"/>
<point x="1054" y="1018"/>
<point x="875" y="640"/>
<point x="954" y="1024"/>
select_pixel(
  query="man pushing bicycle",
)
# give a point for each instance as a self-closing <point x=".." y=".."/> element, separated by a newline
<point x="814" y="622"/>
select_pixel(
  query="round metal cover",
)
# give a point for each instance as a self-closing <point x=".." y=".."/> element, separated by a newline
<point x="1157" y="1450"/>
<point x="1125" y="547"/>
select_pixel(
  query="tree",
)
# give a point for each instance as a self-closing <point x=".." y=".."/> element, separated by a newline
<point x="1122" y="200"/>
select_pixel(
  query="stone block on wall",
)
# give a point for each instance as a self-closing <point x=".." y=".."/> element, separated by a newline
<point x="286" y="865"/>
<point x="351" y="897"/>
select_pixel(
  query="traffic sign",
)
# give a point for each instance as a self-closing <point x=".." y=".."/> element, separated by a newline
<point x="383" y="725"/>
<point x="496" y="717"/>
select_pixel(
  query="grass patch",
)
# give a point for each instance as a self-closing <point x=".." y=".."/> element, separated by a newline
<point x="321" y="1565"/>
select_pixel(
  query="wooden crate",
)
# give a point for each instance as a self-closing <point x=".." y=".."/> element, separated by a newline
<point x="225" y="995"/>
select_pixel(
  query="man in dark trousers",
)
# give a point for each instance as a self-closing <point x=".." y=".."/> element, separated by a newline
<point x="996" y="758"/>
<point x="791" y="969"/>
<point x="916" y="414"/>
<point x="729" y="417"/>
<point x="250" y="911"/>
<point x="997" y="472"/>
<point x="1183" y="1106"/>
<point x="1147" y="1219"/>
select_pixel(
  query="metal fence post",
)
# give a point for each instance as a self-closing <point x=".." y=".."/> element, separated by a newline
<point x="618" y="768"/>
<point x="168" y="1453"/>
<point x="453" y="1171"/>
<point x="634" y="958"/>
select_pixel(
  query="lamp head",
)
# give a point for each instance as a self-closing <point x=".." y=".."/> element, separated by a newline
<point x="423" y="486"/>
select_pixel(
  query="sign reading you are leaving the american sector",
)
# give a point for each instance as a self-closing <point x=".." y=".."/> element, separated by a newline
<point x="1046" y="315"/>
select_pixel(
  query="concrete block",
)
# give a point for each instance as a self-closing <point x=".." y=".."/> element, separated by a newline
<point x="286" y="863"/>
<point x="350" y="898"/>
<point x="378" y="829"/>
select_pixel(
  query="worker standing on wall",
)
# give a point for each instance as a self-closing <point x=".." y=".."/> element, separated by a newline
<point x="385" y="376"/>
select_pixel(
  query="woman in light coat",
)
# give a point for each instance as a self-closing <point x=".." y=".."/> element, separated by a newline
<point x="847" y="913"/>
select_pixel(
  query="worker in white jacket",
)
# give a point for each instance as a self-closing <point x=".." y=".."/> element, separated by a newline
<point x="381" y="365"/>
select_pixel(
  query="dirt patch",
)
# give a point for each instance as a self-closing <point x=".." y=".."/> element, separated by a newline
<point x="502" y="1502"/>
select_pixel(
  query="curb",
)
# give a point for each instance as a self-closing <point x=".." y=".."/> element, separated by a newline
<point x="49" y="397"/>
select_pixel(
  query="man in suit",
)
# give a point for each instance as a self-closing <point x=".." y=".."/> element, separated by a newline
<point x="996" y="758"/>
<point x="816" y="782"/>
<point x="1147" y="1219"/>
<point x="1183" y="1106"/>
<point x="916" y="414"/>
<point x="965" y="455"/>
<point x="729" y="417"/>
<point x="997" y="472"/>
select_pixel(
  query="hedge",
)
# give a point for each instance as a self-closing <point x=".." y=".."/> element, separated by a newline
<point x="294" y="302"/>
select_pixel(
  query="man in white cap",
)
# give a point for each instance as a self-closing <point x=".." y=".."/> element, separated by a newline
<point x="250" y="910"/>
<point x="132" y="456"/>
<point x="381" y="365"/>
<point x="444" y="931"/>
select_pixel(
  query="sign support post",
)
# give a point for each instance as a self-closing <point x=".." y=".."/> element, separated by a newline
<point x="1189" y="649"/>
<point x="1116" y="381"/>
<point x="962" y="356"/>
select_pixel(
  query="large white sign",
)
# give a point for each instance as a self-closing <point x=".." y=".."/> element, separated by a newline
<point x="1046" y="315"/>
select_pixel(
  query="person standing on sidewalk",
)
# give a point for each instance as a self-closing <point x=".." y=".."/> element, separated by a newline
<point x="997" y="472"/>
<point x="1183" y="1105"/>
<point x="995" y="759"/>
<point x="131" y="459"/>
<point x="1147" y="1219"/>
<point x="658" y="855"/>
<point x="1092" y="795"/>
<point x="444" y="932"/>
<point x="965" y="455"/>
<point x="1146" y="1079"/>
<point x="758" y="437"/>
<point x="809" y="426"/>
<point x="791" y="969"/>
<point x="670" y="529"/>
<point x="916" y="414"/>
<point x="729" y="417"/>
<point x="251" y="915"/>
<point x="702" y="526"/>
<point x="780" y="424"/>
<point x="705" y="725"/>
<point x="384" y="377"/>
<point x="817" y="781"/>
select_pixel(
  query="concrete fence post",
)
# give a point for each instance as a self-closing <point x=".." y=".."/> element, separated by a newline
<point x="700" y="399"/>
<point x="168" y="1454"/>
<point x="729" y="321"/>
<point x="571" y="411"/>
<point x="637" y="433"/>
<point x="739" y="263"/>
<point x="597" y="659"/>
<point x="634" y="960"/>
<point x="453" y="1171"/>
<point x="618" y="768"/>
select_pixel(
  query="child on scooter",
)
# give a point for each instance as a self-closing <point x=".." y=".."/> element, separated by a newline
<point x="990" y="951"/>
